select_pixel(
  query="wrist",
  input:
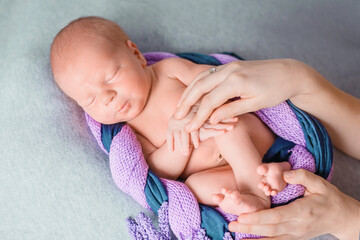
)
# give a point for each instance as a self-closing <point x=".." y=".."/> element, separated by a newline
<point x="308" y="84"/>
<point x="351" y="229"/>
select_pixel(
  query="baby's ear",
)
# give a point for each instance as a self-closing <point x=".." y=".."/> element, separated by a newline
<point x="134" y="50"/>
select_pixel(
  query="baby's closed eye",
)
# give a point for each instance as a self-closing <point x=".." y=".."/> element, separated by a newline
<point x="90" y="101"/>
<point x="112" y="77"/>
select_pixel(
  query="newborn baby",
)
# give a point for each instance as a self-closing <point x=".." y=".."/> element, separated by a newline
<point x="96" y="64"/>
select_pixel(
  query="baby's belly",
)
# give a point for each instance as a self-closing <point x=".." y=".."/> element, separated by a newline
<point x="202" y="158"/>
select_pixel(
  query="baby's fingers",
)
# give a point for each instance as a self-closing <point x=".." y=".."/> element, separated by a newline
<point x="185" y="139"/>
<point x="177" y="141"/>
<point x="195" y="138"/>
<point x="218" y="126"/>
<point x="230" y="120"/>
<point x="205" y="133"/>
<point x="170" y="140"/>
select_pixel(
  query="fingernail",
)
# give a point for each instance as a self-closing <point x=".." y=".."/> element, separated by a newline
<point x="231" y="227"/>
<point x="288" y="174"/>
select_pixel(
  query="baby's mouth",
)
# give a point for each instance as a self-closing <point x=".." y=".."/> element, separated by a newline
<point x="124" y="107"/>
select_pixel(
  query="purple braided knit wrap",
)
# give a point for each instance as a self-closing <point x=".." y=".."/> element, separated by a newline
<point x="129" y="169"/>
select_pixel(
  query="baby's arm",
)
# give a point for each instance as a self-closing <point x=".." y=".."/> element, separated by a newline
<point x="163" y="163"/>
<point x="185" y="71"/>
<point x="178" y="138"/>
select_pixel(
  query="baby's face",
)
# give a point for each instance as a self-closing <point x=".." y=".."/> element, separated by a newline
<point x="110" y="85"/>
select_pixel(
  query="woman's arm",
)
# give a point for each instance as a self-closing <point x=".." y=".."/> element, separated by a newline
<point x="261" y="84"/>
<point x="337" y="110"/>
<point x="266" y="83"/>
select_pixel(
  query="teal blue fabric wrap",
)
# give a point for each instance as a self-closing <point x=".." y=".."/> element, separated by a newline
<point x="213" y="222"/>
<point x="155" y="192"/>
<point x="108" y="132"/>
<point x="200" y="58"/>
<point x="279" y="151"/>
<point x="317" y="140"/>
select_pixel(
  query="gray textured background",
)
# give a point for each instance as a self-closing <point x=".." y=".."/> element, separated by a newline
<point x="54" y="180"/>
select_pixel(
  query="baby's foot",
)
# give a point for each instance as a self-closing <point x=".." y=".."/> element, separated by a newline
<point x="272" y="181"/>
<point x="232" y="201"/>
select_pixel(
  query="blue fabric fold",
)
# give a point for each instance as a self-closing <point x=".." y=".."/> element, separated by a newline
<point x="279" y="151"/>
<point x="200" y="58"/>
<point x="108" y="132"/>
<point x="317" y="140"/>
<point x="213" y="222"/>
<point x="155" y="192"/>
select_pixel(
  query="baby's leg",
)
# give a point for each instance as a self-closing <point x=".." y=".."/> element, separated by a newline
<point x="211" y="187"/>
<point x="272" y="182"/>
<point x="243" y="148"/>
<point x="206" y="183"/>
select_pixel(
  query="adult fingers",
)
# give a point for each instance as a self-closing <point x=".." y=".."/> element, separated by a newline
<point x="198" y="77"/>
<point x="190" y="86"/>
<point x="197" y="89"/>
<point x="217" y="97"/>
<point x="312" y="182"/>
<point x="272" y="215"/>
<point x="231" y="109"/>
<point x="264" y="230"/>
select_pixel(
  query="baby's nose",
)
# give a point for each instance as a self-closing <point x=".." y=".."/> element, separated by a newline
<point x="109" y="96"/>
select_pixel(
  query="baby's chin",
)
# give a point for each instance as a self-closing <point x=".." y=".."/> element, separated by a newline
<point x="103" y="121"/>
<point x="113" y="120"/>
<point x="108" y="121"/>
<point x="132" y="112"/>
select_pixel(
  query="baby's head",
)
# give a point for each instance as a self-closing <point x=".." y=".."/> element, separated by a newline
<point x="94" y="63"/>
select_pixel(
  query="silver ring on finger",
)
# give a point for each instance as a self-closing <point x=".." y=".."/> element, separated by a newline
<point x="212" y="70"/>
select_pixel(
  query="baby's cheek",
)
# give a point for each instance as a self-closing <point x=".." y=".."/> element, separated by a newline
<point x="99" y="116"/>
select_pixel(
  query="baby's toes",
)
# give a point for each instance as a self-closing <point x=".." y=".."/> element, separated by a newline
<point x="225" y="191"/>
<point x="261" y="185"/>
<point x="267" y="190"/>
<point x="274" y="192"/>
<point x="278" y="186"/>
<point x="218" y="198"/>
<point x="262" y="169"/>
<point x="235" y="195"/>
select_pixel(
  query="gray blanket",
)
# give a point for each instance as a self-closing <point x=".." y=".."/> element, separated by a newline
<point x="54" y="180"/>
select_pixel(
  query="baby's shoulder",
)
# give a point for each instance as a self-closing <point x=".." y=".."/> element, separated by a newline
<point x="173" y="64"/>
<point x="179" y="68"/>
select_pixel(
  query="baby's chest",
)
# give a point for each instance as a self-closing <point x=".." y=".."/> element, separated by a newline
<point x="163" y="107"/>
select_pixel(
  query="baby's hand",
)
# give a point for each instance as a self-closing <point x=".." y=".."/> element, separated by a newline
<point x="178" y="138"/>
<point x="208" y="130"/>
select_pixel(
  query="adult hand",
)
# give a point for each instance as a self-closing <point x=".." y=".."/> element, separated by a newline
<point x="178" y="139"/>
<point x="323" y="209"/>
<point x="259" y="84"/>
